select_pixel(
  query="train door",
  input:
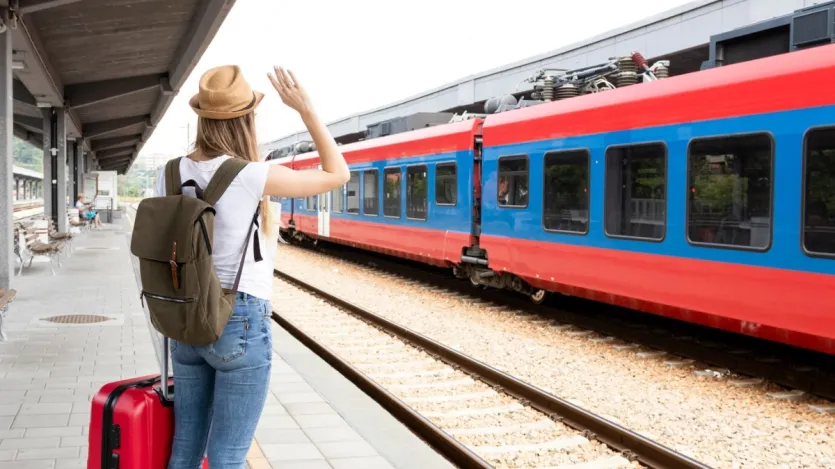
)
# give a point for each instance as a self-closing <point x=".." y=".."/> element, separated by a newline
<point x="324" y="213"/>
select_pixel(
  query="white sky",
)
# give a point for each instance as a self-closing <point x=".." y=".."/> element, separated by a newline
<point x="359" y="54"/>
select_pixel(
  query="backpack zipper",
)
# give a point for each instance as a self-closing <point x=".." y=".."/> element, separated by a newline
<point x="144" y="294"/>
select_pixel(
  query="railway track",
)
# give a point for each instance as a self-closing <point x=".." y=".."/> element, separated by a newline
<point x="472" y="413"/>
<point x="798" y="371"/>
<point x="27" y="205"/>
<point x="27" y="210"/>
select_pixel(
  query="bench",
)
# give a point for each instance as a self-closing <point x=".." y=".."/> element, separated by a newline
<point x="5" y="299"/>
<point x="62" y="237"/>
<point x="27" y="245"/>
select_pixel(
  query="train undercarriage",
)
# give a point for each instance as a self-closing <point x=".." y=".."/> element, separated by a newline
<point x="487" y="278"/>
<point x="472" y="268"/>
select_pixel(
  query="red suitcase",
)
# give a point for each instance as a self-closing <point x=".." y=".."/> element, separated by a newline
<point x="132" y="424"/>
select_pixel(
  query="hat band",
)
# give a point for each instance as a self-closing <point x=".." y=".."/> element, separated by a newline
<point x="251" y="104"/>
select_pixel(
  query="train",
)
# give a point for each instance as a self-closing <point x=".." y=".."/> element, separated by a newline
<point x="707" y="197"/>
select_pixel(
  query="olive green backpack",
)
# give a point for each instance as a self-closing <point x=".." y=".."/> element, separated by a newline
<point x="172" y="237"/>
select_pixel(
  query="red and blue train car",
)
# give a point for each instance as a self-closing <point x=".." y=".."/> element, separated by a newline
<point x="707" y="197"/>
<point x="409" y="195"/>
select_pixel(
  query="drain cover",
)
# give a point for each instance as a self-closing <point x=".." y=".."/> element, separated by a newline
<point x="77" y="319"/>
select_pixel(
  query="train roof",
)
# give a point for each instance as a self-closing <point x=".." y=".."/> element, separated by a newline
<point x="457" y="136"/>
<point x="778" y="83"/>
<point x="772" y="84"/>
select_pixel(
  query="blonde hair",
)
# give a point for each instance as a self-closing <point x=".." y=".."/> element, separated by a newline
<point x="236" y="138"/>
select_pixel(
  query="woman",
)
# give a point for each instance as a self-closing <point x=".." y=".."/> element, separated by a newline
<point x="88" y="214"/>
<point x="220" y="389"/>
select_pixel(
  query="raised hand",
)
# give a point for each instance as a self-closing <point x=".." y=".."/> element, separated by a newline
<point x="291" y="91"/>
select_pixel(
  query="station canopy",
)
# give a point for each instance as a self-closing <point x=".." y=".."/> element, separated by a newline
<point x="114" y="65"/>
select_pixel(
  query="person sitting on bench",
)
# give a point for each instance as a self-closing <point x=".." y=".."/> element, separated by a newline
<point x="90" y="215"/>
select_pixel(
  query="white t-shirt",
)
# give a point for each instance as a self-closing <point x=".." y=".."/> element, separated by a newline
<point x="234" y="215"/>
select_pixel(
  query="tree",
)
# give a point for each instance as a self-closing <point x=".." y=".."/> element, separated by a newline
<point x="136" y="181"/>
<point x="27" y="155"/>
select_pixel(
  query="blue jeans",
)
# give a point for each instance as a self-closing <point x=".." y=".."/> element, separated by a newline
<point x="220" y="389"/>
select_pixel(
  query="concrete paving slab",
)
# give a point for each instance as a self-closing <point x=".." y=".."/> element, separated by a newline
<point x="313" y="418"/>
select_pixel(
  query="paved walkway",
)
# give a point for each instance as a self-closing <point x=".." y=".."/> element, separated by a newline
<point x="48" y="371"/>
<point x="314" y="418"/>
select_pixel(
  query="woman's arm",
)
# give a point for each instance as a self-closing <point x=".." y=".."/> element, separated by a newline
<point x="285" y="182"/>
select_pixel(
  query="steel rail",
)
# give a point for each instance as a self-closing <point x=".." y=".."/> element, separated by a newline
<point x="633" y="445"/>
<point x="439" y="440"/>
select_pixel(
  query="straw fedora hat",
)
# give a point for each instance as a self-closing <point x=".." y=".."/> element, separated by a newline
<point x="224" y="94"/>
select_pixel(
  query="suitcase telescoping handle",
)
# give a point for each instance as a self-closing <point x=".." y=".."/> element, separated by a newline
<point x="163" y="382"/>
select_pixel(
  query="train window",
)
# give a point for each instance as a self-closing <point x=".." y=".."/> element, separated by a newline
<point x="417" y="196"/>
<point x="371" y="193"/>
<point x="819" y="192"/>
<point x="391" y="202"/>
<point x="566" y="191"/>
<point x="512" y="188"/>
<point x="446" y="184"/>
<point x="636" y="191"/>
<point x="337" y="203"/>
<point x="311" y="203"/>
<point x="729" y="185"/>
<point x="352" y="194"/>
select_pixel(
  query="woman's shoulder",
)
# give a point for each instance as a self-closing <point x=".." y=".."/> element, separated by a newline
<point x="259" y="167"/>
<point x="253" y="177"/>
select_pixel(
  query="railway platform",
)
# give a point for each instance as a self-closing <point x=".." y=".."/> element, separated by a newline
<point x="70" y="333"/>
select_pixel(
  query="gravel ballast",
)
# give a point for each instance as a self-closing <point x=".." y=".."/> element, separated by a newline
<point x="449" y="398"/>
<point x="706" y="415"/>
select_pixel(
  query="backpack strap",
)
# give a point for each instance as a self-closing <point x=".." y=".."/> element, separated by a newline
<point x="172" y="177"/>
<point x="224" y="176"/>
<point x="255" y="248"/>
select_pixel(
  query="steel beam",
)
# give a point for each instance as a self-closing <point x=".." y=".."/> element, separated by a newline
<point x="26" y="121"/>
<point x="22" y="132"/>
<point x="85" y="94"/>
<point x="27" y="40"/>
<point x="113" y="142"/>
<point x="31" y="6"/>
<point x="95" y="129"/>
<point x="107" y="154"/>
<point x="207" y="20"/>
<point x="113" y="158"/>
<point x="6" y="162"/>
<point x="112" y="165"/>
<point x="22" y="94"/>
